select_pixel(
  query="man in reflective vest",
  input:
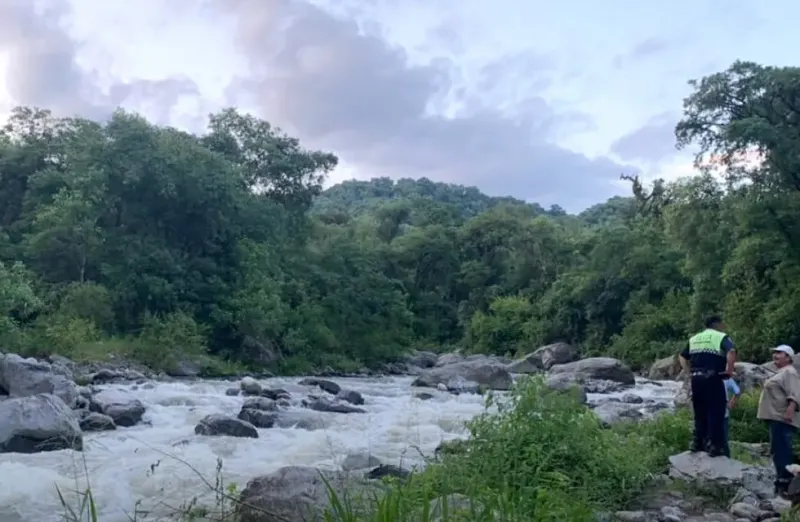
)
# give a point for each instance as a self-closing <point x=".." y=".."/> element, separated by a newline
<point x="709" y="359"/>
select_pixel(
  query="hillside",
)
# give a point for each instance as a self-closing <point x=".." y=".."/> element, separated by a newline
<point x="145" y="241"/>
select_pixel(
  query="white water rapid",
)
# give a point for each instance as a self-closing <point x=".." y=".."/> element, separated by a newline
<point x="133" y="465"/>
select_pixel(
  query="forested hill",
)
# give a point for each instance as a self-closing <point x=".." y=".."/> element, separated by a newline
<point x="150" y="243"/>
<point x="359" y="197"/>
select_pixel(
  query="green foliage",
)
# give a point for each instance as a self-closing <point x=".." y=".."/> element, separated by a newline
<point x="104" y="226"/>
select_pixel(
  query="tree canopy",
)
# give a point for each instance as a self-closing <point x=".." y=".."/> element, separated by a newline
<point x="122" y="235"/>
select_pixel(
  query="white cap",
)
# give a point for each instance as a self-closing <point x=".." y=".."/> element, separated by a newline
<point x="785" y="348"/>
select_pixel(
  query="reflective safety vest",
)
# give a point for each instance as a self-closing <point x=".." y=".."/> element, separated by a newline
<point x="708" y="341"/>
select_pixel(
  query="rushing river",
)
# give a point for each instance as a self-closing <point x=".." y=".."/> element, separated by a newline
<point x="147" y="463"/>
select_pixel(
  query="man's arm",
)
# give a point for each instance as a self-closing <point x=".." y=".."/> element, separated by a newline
<point x="683" y="359"/>
<point x="730" y="355"/>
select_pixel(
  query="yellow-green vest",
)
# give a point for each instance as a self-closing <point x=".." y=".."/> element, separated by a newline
<point x="707" y="341"/>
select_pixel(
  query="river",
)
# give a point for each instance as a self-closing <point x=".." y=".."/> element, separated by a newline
<point x="143" y="463"/>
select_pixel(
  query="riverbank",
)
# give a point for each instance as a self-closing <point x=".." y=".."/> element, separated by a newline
<point x="550" y="443"/>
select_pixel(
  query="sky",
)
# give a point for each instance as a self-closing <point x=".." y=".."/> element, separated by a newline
<point x="544" y="101"/>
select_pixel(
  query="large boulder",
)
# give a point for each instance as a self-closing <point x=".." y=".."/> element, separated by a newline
<point x="544" y="358"/>
<point x="596" y="369"/>
<point x="749" y="375"/>
<point x="449" y="358"/>
<point x="21" y="377"/>
<point x="485" y="372"/>
<point x="125" y="409"/>
<point x="299" y="494"/>
<point x="422" y="359"/>
<point x="665" y="369"/>
<point x="37" y="423"/>
<point x="699" y="467"/>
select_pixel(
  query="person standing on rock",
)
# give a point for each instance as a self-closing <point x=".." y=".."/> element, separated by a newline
<point x="709" y="358"/>
<point x="732" y="392"/>
<point x="778" y="405"/>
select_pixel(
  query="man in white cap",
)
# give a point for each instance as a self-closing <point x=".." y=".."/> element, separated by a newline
<point x="778" y="406"/>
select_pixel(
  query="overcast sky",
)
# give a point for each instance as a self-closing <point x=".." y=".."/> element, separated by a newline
<point x="542" y="100"/>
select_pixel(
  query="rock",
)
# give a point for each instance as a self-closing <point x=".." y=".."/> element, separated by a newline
<point x="26" y="377"/>
<point x="276" y="394"/>
<point x="423" y="396"/>
<point x="387" y="470"/>
<point x="357" y="461"/>
<point x="565" y="383"/>
<point x="217" y="424"/>
<point x="630" y="398"/>
<point x="107" y="376"/>
<point x="125" y="409"/>
<point x="258" y="418"/>
<point x="232" y="392"/>
<point x="298" y="494"/>
<point x="702" y="468"/>
<point x="333" y="407"/>
<point x="597" y="369"/>
<point x="615" y="412"/>
<point x="351" y="396"/>
<point x="304" y="420"/>
<point x="422" y="359"/>
<point x="749" y="375"/>
<point x="326" y="386"/>
<point x="91" y="421"/>
<point x="37" y="423"/>
<point x="665" y="369"/>
<point x="483" y="371"/>
<point x="459" y="385"/>
<point x="250" y="386"/>
<point x="544" y="358"/>
<point x="260" y="403"/>
<point x="449" y="358"/>
<point x="185" y="369"/>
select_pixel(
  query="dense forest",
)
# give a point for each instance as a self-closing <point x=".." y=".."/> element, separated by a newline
<point x="128" y="238"/>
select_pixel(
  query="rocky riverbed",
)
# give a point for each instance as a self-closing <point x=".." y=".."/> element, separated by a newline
<point x="134" y="434"/>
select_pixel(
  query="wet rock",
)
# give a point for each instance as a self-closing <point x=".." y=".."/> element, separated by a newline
<point x="109" y="376"/>
<point x="303" y="420"/>
<point x="596" y="369"/>
<point x="21" y="377"/>
<point x="275" y="394"/>
<point x="258" y="418"/>
<point x="351" y="396"/>
<point x="387" y="470"/>
<point x="544" y="358"/>
<point x="326" y="386"/>
<point x="333" y="407"/>
<point x="38" y="423"/>
<point x="358" y="461"/>
<point x="232" y="392"/>
<point x="260" y="403"/>
<point x="483" y="371"/>
<point x="125" y="409"/>
<point x="91" y="421"/>
<point x="250" y="386"/>
<point x="423" y="396"/>
<point x="459" y="385"/>
<point x="219" y="425"/>
<point x="630" y="398"/>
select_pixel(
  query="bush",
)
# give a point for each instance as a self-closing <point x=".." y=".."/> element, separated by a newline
<point x="541" y="457"/>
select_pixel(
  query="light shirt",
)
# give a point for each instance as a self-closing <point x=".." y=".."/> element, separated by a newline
<point x="777" y="392"/>
<point x="731" y="388"/>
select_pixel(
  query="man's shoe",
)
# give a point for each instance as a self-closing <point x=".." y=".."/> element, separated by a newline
<point x="716" y="452"/>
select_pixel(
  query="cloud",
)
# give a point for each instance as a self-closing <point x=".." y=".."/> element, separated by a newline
<point x="652" y="143"/>
<point x="322" y="79"/>
<point x="647" y="48"/>
<point x="42" y="68"/>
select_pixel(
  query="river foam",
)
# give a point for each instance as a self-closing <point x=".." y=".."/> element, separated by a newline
<point x="157" y="465"/>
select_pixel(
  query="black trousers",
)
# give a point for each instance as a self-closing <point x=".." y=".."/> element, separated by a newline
<point x="709" y="401"/>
